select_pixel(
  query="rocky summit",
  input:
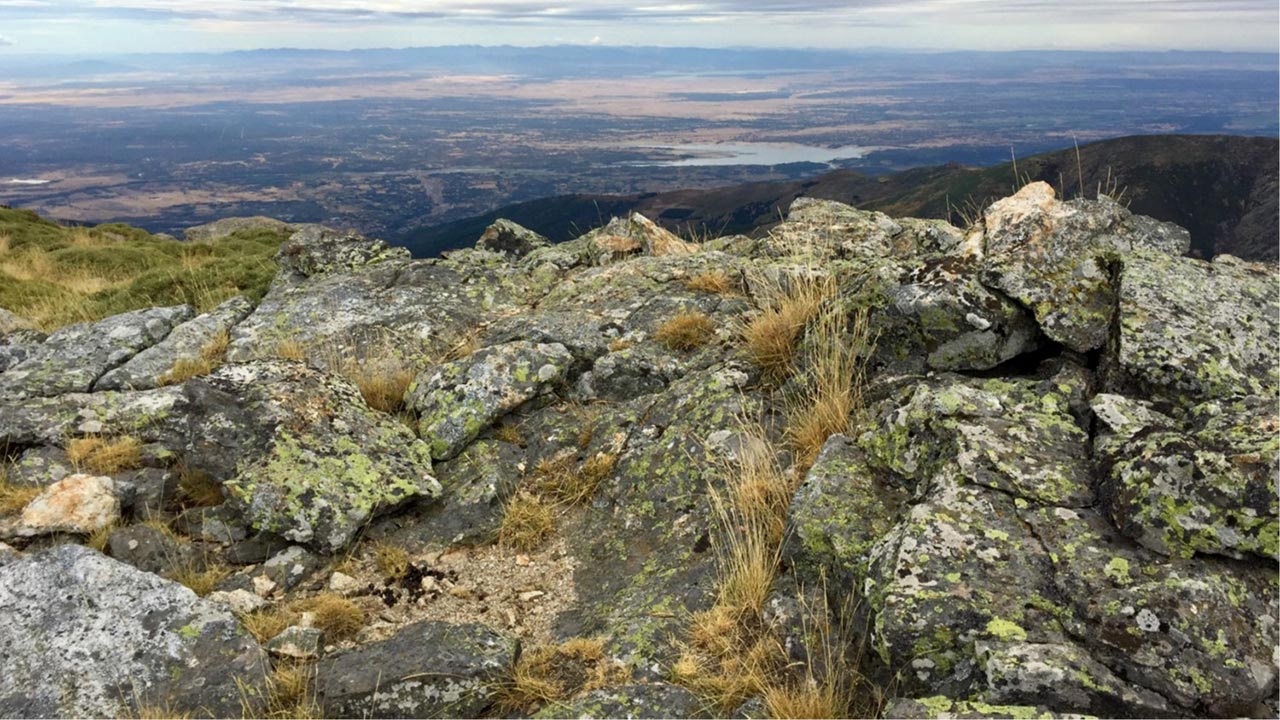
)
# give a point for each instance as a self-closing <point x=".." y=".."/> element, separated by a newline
<point x="859" y="466"/>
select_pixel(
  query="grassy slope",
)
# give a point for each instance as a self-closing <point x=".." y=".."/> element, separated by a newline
<point x="57" y="275"/>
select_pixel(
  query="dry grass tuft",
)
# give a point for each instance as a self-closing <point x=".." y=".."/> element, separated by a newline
<point x="786" y="308"/>
<point x="200" y="577"/>
<point x="727" y="680"/>
<point x="559" y="672"/>
<point x="14" y="497"/>
<point x="377" y="365"/>
<point x="337" y="616"/>
<point x="210" y="358"/>
<point x="463" y="346"/>
<point x="267" y="623"/>
<point x="715" y="282"/>
<point x="103" y="456"/>
<point x="527" y="522"/>
<point x="686" y="331"/>
<point x="197" y="488"/>
<point x="291" y="350"/>
<point x="98" y="538"/>
<point x="619" y="344"/>
<point x="392" y="562"/>
<point x="558" y="478"/>
<point x="383" y="384"/>
<point x="509" y="433"/>
<point x="290" y="693"/>
<point x="159" y="712"/>
<point x="832" y="383"/>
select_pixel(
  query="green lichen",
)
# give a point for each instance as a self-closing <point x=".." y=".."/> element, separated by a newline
<point x="1005" y="630"/>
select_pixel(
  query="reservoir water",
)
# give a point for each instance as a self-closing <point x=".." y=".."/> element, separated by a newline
<point x="753" y="154"/>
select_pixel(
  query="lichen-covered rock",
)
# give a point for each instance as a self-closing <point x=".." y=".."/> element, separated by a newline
<point x="939" y="316"/>
<point x="145" y="370"/>
<point x="151" y="415"/>
<point x="458" y="400"/>
<point x="643" y="550"/>
<point x="73" y="358"/>
<point x="837" y="230"/>
<point x="942" y="707"/>
<point x="1057" y="258"/>
<point x="76" y="504"/>
<point x="1016" y="436"/>
<point x="511" y="239"/>
<point x="85" y="636"/>
<point x="1063" y="677"/>
<point x="17" y="345"/>
<point x="1201" y="633"/>
<point x="840" y="511"/>
<point x="655" y="700"/>
<point x="318" y="250"/>
<point x="312" y="462"/>
<point x="636" y="233"/>
<point x="299" y="643"/>
<point x="11" y="322"/>
<point x="1208" y="485"/>
<point x="225" y="227"/>
<point x="41" y="466"/>
<point x="426" y="670"/>
<point x="1192" y="331"/>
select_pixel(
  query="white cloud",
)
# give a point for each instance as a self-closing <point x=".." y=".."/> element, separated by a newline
<point x="596" y="40"/>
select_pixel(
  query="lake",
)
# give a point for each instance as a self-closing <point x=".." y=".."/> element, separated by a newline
<point x="753" y="154"/>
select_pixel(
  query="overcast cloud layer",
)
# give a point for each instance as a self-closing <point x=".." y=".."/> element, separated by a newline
<point x="158" y="25"/>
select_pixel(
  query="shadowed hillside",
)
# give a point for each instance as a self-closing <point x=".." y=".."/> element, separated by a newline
<point x="1223" y="189"/>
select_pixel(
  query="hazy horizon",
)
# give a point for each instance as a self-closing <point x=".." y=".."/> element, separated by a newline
<point x="109" y="27"/>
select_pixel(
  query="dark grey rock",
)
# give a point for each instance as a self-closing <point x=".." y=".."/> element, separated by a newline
<point x="428" y="669"/>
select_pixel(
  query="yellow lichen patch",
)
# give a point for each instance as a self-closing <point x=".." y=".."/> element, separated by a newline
<point x="686" y="331"/>
<point x="104" y="456"/>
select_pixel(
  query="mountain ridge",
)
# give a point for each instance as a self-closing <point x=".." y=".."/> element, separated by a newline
<point x="1223" y="189"/>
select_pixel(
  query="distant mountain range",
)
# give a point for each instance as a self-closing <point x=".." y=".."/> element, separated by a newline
<point x="1223" y="189"/>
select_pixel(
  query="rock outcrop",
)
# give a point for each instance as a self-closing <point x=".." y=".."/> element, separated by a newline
<point x="1059" y="493"/>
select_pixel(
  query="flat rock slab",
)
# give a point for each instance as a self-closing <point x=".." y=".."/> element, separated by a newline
<point x="85" y="636"/>
<point x="147" y="369"/>
<point x="426" y="670"/>
<point x="73" y="358"/>
<point x="1193" y="331"/>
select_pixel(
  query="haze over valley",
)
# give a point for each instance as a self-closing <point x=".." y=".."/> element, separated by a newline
<point x="391" y="141"/>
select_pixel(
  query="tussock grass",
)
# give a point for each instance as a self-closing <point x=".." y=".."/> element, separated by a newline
<point x="565" y="481"/>
<point x="210" y="358"/>
<point x="268" y="622"/>
<point x="509" y="433"/>
<point x="197" y="488"/>
<point x="105" y="456"/>
<point x="290" y="691"/>
<point x="527" y="521"/>
<point x="14" y="497"/>
<point x="376" y="363"/>
<point x="557" y="673"/>
<point x="715" y="282"/>
<point x="337" y="616"/>
<point x="463" y="345"/>
<point x="686" y="331"/>
<point x="392" y="562"/>
<point x="290" y="349"/>
<point x="786" y="307"/>
<point x="99" y="538"/>
<point x="832" y="382"/>
<point x="202" y="578"/>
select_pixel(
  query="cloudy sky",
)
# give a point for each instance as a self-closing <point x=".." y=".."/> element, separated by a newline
<point x="107" y="26"/>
